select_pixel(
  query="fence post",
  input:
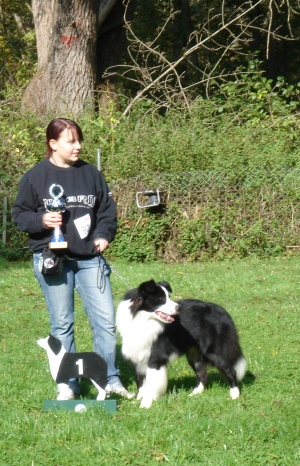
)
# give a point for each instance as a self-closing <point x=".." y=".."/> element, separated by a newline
<point x="4" y="220"/>
<point x="99" y="159"/>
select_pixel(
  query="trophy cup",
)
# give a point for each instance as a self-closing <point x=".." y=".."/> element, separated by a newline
<point x="56" y="204"/>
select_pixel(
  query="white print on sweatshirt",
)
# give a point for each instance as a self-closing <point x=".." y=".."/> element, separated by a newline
<point x="83" y="225"/>
<point x="82" y="199"/>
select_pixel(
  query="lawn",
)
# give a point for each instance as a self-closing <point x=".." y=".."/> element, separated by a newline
<point x="259" y="428"/>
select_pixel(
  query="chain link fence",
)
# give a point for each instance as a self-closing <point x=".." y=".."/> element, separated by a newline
<point x="213" y="213"/>
<point x="201" y="214"/>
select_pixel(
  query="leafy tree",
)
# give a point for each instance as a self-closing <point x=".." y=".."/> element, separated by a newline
<point x="17" y="48"/>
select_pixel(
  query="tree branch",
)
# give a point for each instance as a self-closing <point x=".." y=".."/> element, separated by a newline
<point x="172" y="66"/>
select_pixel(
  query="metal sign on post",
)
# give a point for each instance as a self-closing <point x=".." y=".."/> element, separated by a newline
<point x="147" y="198"/>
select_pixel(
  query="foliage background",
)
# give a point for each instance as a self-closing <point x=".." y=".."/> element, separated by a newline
<point x="227" y="169"/>
<point x="228" y="172"/>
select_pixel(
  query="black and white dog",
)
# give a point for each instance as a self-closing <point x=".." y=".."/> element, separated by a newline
<point x="156" y="330"/>
<point x="65" y="366"/>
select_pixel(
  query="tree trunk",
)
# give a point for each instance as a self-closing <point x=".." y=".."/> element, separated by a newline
<point x="66" y="34"/>
<point x="111" y="44"/>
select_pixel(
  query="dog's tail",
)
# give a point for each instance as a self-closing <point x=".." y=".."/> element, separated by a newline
<point x="240" y="367"/>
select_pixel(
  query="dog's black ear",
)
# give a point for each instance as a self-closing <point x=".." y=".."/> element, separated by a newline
<point x="166" y="285"/>
<point x="138" y="294"/>
<point x="54" y="344"/>
<point x="136" y="304"/>
<point x="147" y="287"/>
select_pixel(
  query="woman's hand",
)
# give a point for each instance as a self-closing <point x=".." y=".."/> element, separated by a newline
<point x="101" y="244"/>
<point x="52" y="219"/>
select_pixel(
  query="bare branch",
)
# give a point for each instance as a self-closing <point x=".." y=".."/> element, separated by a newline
<point x="220" y="36"/>
<point x="172" y="66"/>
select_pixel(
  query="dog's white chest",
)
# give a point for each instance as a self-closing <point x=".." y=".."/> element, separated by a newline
<point x="137" y="334"/>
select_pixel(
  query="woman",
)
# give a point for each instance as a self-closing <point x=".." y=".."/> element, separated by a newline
<point x="88" y="224"/>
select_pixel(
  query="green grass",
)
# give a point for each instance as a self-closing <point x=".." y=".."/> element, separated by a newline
<point x="260" y="428"/>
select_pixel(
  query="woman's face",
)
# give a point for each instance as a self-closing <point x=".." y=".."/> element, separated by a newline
<point x="65" y="149"/>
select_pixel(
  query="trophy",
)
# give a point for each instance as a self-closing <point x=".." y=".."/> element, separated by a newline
<point x="56" y="204"/>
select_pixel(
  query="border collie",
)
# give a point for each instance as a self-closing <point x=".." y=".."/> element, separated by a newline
<point x="156" y="330"/>
<point x="65" y="366"/>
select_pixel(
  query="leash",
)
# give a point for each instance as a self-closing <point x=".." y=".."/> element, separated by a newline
<point x="101" y="277"/>
<point x="118" y="275"/>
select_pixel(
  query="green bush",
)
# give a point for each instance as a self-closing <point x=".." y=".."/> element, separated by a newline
<point x="244" y="138"/>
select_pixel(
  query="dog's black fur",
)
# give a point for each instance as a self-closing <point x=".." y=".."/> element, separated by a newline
<point x="203" y="331"/>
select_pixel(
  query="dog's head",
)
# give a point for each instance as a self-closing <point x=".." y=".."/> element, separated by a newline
<point x="55" y="352"/>
<point x="153" y="298"/>
<point x="50" y="343"/>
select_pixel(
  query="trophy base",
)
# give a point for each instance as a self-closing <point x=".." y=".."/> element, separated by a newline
<point x="58" y="245"/>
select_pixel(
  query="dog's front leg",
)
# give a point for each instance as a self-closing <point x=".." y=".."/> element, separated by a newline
<point x="140" y="381"/>
<point x="140" y="393"/>
<point x="154" y="387"/>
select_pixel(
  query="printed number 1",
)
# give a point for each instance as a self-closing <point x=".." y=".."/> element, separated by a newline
<point x="79" y="363"/>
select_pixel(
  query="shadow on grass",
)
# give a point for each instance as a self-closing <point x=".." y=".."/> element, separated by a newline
<point x="187" y="383"/>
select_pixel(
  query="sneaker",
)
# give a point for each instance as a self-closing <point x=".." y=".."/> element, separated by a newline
<point x="74" y="385"/>
<point x="120" y="390"/>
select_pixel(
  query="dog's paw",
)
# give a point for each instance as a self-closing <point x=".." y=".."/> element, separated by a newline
<point x="198" y="390"/>
<point x="234" y="393"/>
<point x="146" y="403"/>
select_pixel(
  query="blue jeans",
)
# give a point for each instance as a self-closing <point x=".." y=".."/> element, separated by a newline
<point x="90" y="277"/>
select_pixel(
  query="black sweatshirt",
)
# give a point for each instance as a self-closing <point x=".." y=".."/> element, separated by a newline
<point x="90" y="210"/>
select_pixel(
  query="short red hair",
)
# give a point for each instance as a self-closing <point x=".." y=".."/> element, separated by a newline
<point x="56" y="127"/>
